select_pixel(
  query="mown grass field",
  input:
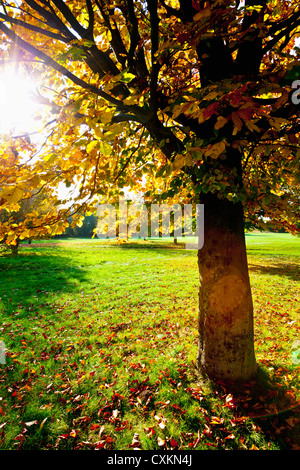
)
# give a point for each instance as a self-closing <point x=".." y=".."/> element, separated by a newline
<point x="101" y="344"/>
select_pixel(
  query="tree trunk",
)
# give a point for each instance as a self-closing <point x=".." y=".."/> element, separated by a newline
<point x="226" y="338"/>
<point x="14" y="249"/>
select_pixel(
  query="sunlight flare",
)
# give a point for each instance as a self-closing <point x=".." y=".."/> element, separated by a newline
<point x="17" y="104"/>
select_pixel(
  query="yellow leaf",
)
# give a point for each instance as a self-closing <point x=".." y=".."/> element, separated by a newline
<point x="178" y="110"/>
<point x="237" y="122"/>
<point x="215" y="150"/>
<point x="252" y="126"/>
<point x="127" y="77"/>
<point x="216" y="420"/>
<point x="203" y="13"/>
<point x="91" y="146"/>
<point x="221" y="121"/>
<point x="183" y="160"/>
<point x="43" y="422"/>
<point x="50" y="157"/>
<point x="211" y="96"/>
<point x="14" y="196"/>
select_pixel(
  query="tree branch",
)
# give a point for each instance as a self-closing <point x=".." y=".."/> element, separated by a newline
<point x="90" y="30"/>
<point x="70" y="18"/>
<point x="154" y="20"/>
<point x="116" y="40"/>
<point x="136" y="57"/>
<point x="130" y="156"/>
<point x="170" y="10"/>
<point x="59" y="68"/>
<point x="250" y="53"/>
<point x="286" y="22"/>
<point x="34" y="28"/>
<point x="290" y="26"/>
<point x="51" y="18"/>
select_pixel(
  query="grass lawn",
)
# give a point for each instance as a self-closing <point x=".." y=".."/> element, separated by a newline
<point x="101" y="342"/>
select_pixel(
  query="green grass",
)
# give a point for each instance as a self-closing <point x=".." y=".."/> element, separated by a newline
<point x="101" y="343"/>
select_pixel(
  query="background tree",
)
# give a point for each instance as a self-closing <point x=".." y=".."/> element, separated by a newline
<point x="86" y="230"/>
<point x="37" y="206"/>
<point x="193" y="90"/>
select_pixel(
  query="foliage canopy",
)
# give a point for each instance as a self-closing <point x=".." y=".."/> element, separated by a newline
<point x="179" y="98"/>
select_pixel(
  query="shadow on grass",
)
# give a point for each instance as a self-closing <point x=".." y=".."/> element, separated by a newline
<point x="290" y="270"/>
<point x="158" y="247"/>
<point x="144" y="245"/>
<point x="28" y="279"/>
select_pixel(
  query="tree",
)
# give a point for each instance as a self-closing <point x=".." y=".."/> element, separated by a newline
<point x="85" y="231"/>
<point x="37" y="206"/>
<point x="196" y="93"/>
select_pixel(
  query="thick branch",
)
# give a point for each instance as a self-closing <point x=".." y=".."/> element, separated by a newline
<point x="291" y="25"/>
<point x="164" y="138"/>
<point x="70" y="18"/>
<point x="116" y="40"/>
<point x="284" y="23"/>
<point x="152" y="7"/>
<point x="250" y="50"/>
<point x="90" y="29"/>
<point x="51" y="18"/>
<point x="34" y="28"/>
<point x="136" y="57"/>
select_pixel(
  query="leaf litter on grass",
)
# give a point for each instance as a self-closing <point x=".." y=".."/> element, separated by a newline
<point x="102" y="359"/>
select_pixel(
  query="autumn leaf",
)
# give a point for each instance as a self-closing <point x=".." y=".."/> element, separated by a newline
<point x="174" y="443"/>
<point x="216" y="420"/>
<point x="238" y="124"/>
<point x="128" y="90"/>
<point x="221" y="121"/>
<point x="215" y="150"/>
<point x="206" y="12"/>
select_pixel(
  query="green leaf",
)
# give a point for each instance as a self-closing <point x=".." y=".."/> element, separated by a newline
<point x="294" y="73"/>
<point x="127" y="77"/>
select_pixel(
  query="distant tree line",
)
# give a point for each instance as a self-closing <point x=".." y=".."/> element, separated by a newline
<point x="85" y="231"/>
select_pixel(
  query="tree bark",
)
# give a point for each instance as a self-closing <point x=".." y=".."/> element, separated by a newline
<point x="14" y="249"/>
<point x="226" y="336"/>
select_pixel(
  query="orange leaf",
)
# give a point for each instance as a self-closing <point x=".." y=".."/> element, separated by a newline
<point x="216" y="420"/>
